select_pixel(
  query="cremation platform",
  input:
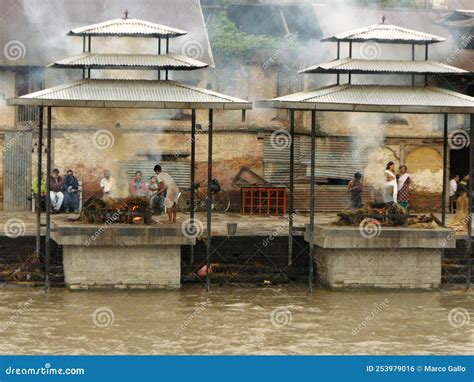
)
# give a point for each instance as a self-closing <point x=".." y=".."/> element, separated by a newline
<point x="120" y="255"/>
<point x="384" y="257"/>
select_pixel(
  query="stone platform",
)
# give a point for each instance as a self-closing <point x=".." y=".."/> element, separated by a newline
<point x="120" y="255"/>
<point x="388" y="257"/>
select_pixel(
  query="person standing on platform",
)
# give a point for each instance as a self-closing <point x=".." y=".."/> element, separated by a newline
<point x="403" y="183"/>
<point x="355" y="187"/>
<point x="107" y="184"/>
<point x="453" y="186"/>
<point x="167" y="184"/>
<point x="391" y="186"/>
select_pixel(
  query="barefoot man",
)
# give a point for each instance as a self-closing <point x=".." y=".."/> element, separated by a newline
<point x="168" y="185"/>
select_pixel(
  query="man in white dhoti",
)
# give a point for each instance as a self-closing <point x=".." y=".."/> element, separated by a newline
<point x="167" y="184"/>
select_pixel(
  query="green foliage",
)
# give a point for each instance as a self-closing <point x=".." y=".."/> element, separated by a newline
<point x="228" y="41"/>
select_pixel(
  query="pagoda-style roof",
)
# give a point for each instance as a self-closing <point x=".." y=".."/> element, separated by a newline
<point x="169" y="61"/>
<point x="375" y="98"/>
<point x="127" y="27"/>
<point x="386" y="33"/>
<point x="353" y="65"/>
<point x="156" y="94"/>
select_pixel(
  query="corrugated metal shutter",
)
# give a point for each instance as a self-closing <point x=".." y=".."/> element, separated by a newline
<point x="334" y="159"/>
<point x="327" y="198"/>
<point x="17" y="164"/>
<point x="180" y="171"/>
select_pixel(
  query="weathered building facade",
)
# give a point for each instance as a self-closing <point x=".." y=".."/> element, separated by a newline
<point x="90" y="140"/>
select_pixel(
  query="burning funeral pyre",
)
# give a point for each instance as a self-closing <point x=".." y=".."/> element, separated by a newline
<point x="387" y="214"/>
<point x="132" y="210"/>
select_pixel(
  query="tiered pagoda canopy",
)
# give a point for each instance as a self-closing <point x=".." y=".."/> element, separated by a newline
<point x="160" y="93"/>
<point x="381" y="98"/>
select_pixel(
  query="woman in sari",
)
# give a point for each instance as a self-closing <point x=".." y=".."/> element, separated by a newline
<point x="403" y="180"/>
<point x="391" y="187"/>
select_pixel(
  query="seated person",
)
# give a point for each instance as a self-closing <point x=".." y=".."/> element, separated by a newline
<point x="137" y="185"/>
<point x="156" y="201"/>
<point x="71" y="193"/>
<point x="56" y="195"/>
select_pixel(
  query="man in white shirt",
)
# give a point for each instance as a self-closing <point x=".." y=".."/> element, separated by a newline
<point x="167" y="184"/>
<point x="107" y="184"/>
<point x="453" y="185"/>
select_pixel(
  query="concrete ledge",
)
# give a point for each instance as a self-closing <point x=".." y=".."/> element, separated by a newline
<point x="418" y="268"/>
<point x="385" y="237"/>
<point x="70" y="233"/>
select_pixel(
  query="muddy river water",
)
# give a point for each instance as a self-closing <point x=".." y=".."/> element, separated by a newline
<point x="236" y="320"/>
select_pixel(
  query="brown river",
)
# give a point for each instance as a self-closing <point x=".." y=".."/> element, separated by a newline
<point x="236" y="320"/>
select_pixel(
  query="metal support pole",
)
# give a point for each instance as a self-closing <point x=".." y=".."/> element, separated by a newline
<point x="311" y="200"/>
<point x="83" y="44"/>
<point x="48" y="202"/>
<point x="350" y="50"/>
<point x="193" y="172"/>
<point x="167" y="45"/>
<point x="445" y="165"/>
<point x="413" y="59"/>
<point x="338" y="50"/>
<point x="292" y="184"/>
<point x="159" y="46"/>
<point x="38" y="183"/>
<point x="471" y="189"/>
<point x="166" y="77"/>
<point x="209" y="200"/>
<point x="90" y="45"/>
<point x="350" y="78"/>
<point x="426" y="52"/>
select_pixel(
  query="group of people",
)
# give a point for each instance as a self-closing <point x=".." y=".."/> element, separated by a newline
<point x="396" y="186"/>
<point x="63" y="191"/>
<point x="161" y="190"/>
